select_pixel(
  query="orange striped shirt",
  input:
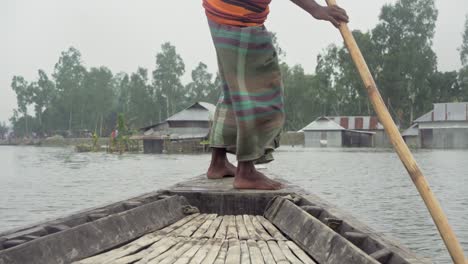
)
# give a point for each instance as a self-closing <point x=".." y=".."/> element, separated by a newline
<point x="237" y="12"/>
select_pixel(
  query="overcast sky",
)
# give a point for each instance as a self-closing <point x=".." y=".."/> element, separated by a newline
<point x="125" y="34"/>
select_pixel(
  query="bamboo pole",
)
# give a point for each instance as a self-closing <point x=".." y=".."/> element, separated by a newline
<point x="432" y="204"/>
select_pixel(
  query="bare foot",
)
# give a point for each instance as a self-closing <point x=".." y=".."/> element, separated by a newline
<point x="220" y="170"/>
<point x="249" y="178"/>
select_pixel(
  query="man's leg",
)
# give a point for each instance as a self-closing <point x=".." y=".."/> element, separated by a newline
<point x="220" y="166"/>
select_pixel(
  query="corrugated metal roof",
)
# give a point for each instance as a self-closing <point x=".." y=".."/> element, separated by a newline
<point x="322" y="123"/>
<point x="446" y="112"/>
<point x="199" y="111"/>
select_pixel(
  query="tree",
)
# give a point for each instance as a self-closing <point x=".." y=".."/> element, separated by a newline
<point x="3" y="130"/>
<point x="141" y="106"/>
<point x="166" y="79"/>
<point x="69" y="75"/>
<point x="43" y="92"/>
<point x="202" y="87"/>
<point x="464" y="46"/>
<point x="99" y="97"/>
<point x="300" y="97"/>
<point x="23" y="97"/>
<point x="403" y="40"/>
<point x="444" y="87"/>
<point x="463" y="74"/>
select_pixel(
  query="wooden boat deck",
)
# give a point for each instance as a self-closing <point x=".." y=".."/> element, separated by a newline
<point x="209" y="239"/>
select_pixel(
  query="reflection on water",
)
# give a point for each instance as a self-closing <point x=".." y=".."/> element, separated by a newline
<point x="40" y="183"/>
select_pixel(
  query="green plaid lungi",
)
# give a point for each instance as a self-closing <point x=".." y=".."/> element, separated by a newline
<point x="249" y="115"/>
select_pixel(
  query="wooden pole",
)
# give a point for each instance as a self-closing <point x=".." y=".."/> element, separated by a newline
<point x="449" y="237"/>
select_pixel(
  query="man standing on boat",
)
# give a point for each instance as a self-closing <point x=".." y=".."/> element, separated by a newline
<point x="249" y="115"/>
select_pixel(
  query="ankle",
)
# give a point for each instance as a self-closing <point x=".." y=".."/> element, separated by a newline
<point x="245" y="167"/>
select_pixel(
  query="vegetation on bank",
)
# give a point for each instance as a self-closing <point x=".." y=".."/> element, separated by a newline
<point x="398" y="50"/>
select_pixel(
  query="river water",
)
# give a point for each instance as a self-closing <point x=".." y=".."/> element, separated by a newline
<point x="43" y="183"/>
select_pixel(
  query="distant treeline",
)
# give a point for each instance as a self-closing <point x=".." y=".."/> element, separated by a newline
<point x="398" y="51"/>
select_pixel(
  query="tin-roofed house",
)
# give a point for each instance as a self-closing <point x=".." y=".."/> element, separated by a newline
<point x="446" y="126"/>
<point x="341" y="131"/>
<point x="182" y="132"/>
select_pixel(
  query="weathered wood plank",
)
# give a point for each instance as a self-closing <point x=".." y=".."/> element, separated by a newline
<point x="277" y="253"/>
<point x="204" y="227"/>
<point x="164" y="255"/>
<point x="245" y="254"/>
<point x="178" y="230"/>
<point x="221" y="258"/>
<point x="267" y="256"/>
<point x="202" y="252"/>
<point x="178" y="224"/>
<point x="210" y="233"/>
<point x="187" y="256"/>
<point x="88" y="239"/>
<point x="222" y="229"/>
<point x="213" y="253"/>
<point x="250" y="228"/>
<point x="288" y="253"/>
<point x="259" y="229"/>
<point x="241" y="229"/>
<point x="321" y="242"/>
<point x="274" y="232"/>
<point x="159" y="248"/>
<point x="234" y="252"/>
<point x="193" y="226"/>
<point x="255" y="253"/>
<point x="120" y="252"/>
<point x="132" y="258"/>
<point x="231" y="232"/>
<point x="300" y="253"/>
<point x="172" y="258"/>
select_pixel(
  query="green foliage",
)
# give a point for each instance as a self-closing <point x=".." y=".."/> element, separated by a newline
<point x="464" y="46"/>
<point x="398" y="51"/>
<point x="202" y="87"/>
<point x="3" y="130"/>
<point x="168" y="89"/>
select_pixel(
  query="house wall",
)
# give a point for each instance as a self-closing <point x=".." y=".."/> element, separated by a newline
<point x="356" y="139"/>
<point x="413" y="141"/>
<point x="153" y="146"/>
<point x="332" y="138"/>
<point x="445" y="138"/>
<point x="381" y="139"/>
<point x="292" y="138"/>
